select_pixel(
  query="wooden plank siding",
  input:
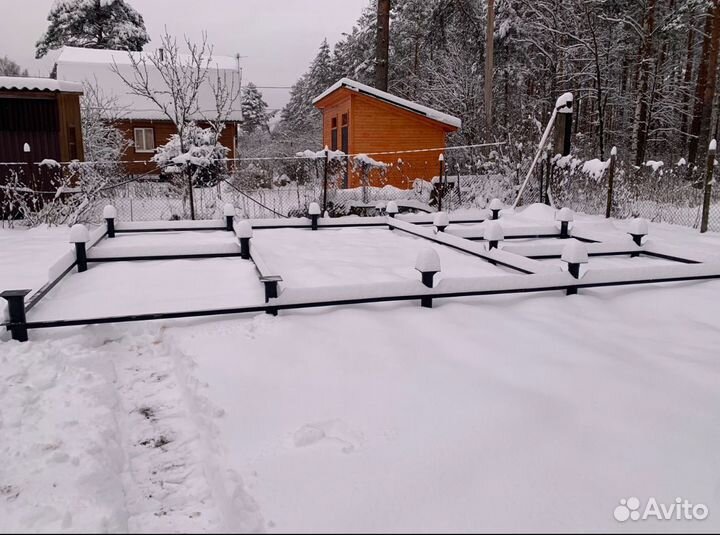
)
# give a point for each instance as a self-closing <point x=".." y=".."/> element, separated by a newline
<point x="49" y="121"/>
<point x="378" y="126"/>
<point x="162" y="131"/>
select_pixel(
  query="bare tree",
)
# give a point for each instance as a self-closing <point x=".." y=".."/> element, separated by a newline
<point x="172" y="80"/>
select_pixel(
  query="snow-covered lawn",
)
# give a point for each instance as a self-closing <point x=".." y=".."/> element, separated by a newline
<point x="524" y="412"/>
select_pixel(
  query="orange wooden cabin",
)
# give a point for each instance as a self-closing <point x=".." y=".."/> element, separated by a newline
<point x="359" y="119"/>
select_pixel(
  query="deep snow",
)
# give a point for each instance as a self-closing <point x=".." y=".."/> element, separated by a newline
<point x="525" y="412"/>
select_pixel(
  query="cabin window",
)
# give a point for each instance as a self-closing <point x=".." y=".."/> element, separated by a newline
<point x="333" y="134"/>
<point x="144" y="140"/>
<point x="345" y="139"/>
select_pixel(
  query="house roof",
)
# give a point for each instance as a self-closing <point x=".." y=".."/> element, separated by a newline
<point x="430" y="113"/>
<point x="20" y="83"/>
<point x="95" y="67"/>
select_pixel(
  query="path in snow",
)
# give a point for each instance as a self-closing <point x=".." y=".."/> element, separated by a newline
<point x="106" y="432"/>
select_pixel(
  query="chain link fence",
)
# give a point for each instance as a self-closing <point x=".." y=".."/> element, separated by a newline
<point x="465" y="178"/>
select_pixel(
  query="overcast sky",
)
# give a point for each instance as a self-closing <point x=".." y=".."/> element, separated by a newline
<point x="279" y="37"/>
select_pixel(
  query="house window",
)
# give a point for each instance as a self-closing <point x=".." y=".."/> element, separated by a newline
<point x="333" y="134"/>
<point x="144" y="140"/>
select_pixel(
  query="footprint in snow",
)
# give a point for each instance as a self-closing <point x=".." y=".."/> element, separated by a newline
<point x="330" y="431"/>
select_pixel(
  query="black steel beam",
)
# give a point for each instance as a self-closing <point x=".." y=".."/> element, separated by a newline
<point x="162" y="257"/>
<point x="363" y="300"/>
<point x="194" y="229"/>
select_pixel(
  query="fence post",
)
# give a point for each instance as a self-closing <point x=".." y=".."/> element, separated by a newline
<point x="190" y="191"/>
<point x="16" y="313"/>
<point x="611" y="182"/>
<point x="565" y="215"/>
<point x="441" y="159"/>
<point x="428" y="264"/>
<point x="574" y="254"/>
<point x="440" y="221"/>
<point x="325" y="179"/>
<point x="495" y="206"/>
<point x="109" y="214"/>
<point x="638" y="230"/>
<point x="545" y="199"/>
<point x="229" y="213"/>
<point x="244" y="232"/>
<point x="391" y="209"/>
<point x="314" y="213"/>
<point x="31" y="171"/>
<point x="712" y="149"/>
<point x="79" y="236"/>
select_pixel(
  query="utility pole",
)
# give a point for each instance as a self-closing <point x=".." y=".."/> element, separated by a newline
<point x="382" y="45"/>
<point x="489" y="67"/>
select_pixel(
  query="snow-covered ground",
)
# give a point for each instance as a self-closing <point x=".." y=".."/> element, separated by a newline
<point x="524" y="412"/>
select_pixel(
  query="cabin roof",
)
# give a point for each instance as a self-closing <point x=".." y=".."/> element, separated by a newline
<point x="95" y="67"/>
<point x="409" y="105"/>
<point x="21" y="83"/>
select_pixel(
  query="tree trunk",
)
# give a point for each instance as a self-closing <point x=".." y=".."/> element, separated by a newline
<point x="489" y="60"/>
<point x="382" y="44"/>
<point x="687" y="79"/>
<point x="705" y="87"/>
<point x="641" y="104"/>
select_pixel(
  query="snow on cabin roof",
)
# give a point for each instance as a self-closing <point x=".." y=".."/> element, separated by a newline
<point x="95" y="67"/>
<point x="430" y="113"/>
<point x="20" y="83"/>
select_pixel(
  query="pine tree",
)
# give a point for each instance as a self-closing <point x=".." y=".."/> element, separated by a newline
<point x="299" y="115"/>
<point x="254" y="110"/>
<point x="107" y="24"/>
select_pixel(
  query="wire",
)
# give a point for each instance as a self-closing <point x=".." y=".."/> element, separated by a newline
<point x="265" y="158"/>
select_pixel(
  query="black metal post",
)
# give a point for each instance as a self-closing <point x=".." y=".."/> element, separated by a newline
<point x="81" y="256"/>
<point x="637" y="238"/>
<point x="325" y="180"/>
<point x="574" y="270"/>
<point x="492" y="244"/>
<point x="314" y="221"/>
<point x="229" y="223"/>
<point x="16" y="313"/>
<point x="564" y="233"/>
<point x="440" y="183"/>
<point x="441" y="228"/>
<point x="271" y="292"/>
<point x="495" y="214"/>
<point x="110" y="227"/>
<point x="245" y="248"/>
<point x="427" y="280"/>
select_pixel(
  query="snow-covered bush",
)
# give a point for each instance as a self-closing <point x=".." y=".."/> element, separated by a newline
<point x="200" y="154"/>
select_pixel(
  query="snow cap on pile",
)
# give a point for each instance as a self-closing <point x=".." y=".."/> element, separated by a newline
<point x="109" y="212"/>
<point x="495" y="204"/>
<point x="574" y="252"/>
<point x="565" y="214"/>
<point x="427" y="260"/>
<point x="441" y="219"/>
<point x="243" y="229"/>
<point x="564" y="101"/>
<point x="391" y="207"/>
<point x="314" y="208"/>
<point x="493" y="231"/>
<point x="228" y="210"/>
<point x="79" y="234"/>
<point x="638" y="227"/>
